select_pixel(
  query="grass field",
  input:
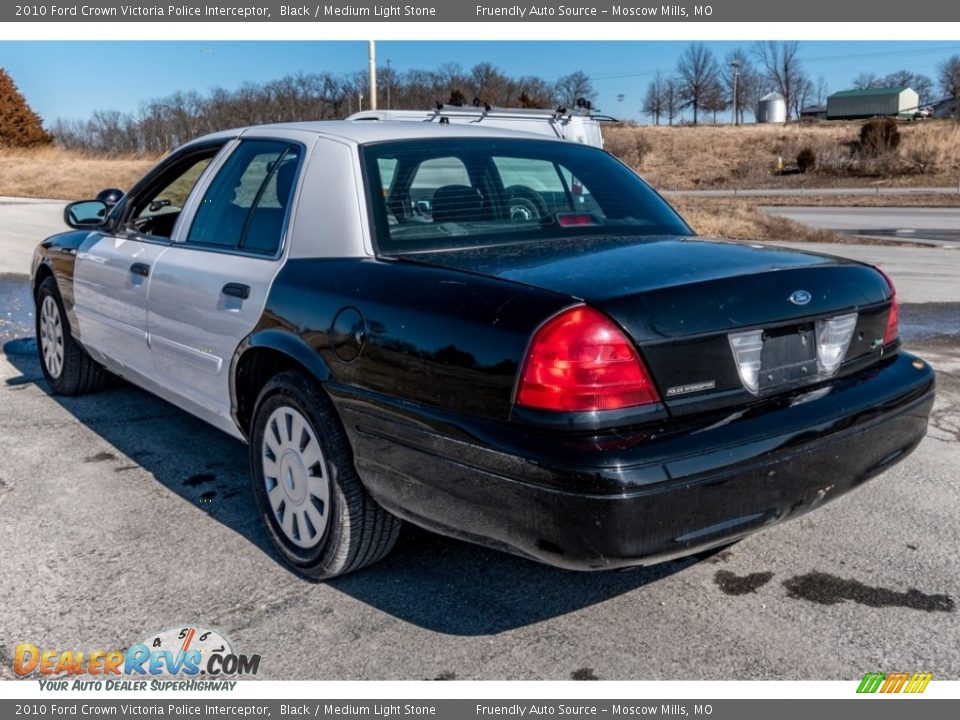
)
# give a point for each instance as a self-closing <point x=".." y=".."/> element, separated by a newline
<point x="707" y="156"/>
<point x="51" y="172"/>
<point x="701" y="157"/>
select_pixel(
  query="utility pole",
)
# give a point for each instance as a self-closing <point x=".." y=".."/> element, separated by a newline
<point x="373" y="74"/>
<point x="620" y="98"/>
<point x="389" y="82"/>
<point x="735" y="64"/>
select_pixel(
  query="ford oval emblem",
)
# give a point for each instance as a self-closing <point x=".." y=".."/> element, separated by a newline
<point x="800" y="297"/>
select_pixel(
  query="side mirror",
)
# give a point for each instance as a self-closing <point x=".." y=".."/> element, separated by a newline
<point x="85" y="214"/>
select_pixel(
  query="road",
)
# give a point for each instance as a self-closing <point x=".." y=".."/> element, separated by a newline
<point x="939" y="226"/>
<point x="122" y="515"/>
<point x="822" y="192"/>
<point x="24" y="223"/>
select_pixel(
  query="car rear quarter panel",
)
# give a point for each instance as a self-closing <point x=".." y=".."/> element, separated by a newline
<point x="429" y="335"/>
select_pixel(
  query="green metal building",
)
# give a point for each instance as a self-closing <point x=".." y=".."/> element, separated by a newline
<point x="855" y="104"/>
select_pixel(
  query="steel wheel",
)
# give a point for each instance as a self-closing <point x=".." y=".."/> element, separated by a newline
<point x="51" y="336"/>
<point x="316" y="510"/>
<point x="295" y="477"/>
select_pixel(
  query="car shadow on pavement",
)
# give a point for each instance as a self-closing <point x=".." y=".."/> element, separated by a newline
<point x="431" y="581"/>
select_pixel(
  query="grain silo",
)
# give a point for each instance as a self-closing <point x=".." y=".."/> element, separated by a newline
<point x="772" y="108"/>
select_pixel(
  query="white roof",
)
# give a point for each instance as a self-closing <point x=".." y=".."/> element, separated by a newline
<point x="370" y="132"/>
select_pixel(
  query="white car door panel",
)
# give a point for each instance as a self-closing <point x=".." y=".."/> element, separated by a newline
<point x="195" y="327"/>
<point x="111" y="282"/>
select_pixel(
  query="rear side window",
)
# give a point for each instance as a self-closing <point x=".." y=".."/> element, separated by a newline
<point x="246" y="205"/>
<point x="456" y="192"/>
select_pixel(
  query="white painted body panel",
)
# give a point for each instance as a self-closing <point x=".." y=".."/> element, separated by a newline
<point x="194" y="328"/>
<point x="110" y="301"/>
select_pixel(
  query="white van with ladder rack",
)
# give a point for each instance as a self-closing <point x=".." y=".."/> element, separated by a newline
<point x="580" y="125"/>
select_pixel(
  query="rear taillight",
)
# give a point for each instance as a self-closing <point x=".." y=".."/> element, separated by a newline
<point x="581" y="361"/>
<point x="893" y="319"/>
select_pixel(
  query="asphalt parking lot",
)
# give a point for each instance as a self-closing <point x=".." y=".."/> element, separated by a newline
<point x="122" y="515"/>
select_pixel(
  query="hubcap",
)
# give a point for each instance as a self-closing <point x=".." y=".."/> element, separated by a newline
<point x="51" y="336"/>
<point x="295" y="477"/>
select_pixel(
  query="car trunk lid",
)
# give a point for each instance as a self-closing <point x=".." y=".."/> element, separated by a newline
<point x="681" y="299"/>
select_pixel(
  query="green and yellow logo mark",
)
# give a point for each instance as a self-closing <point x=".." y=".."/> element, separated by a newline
<point x="895" y="682"/>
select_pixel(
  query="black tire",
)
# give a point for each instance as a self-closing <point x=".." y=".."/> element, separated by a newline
<point x="77" y="373"/>
<point x="357" y="531"/>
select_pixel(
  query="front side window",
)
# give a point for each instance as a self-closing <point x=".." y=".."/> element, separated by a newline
<point x="155" y="211"/>
<point x="457" y="192"/>
<point x="246" y="205"/>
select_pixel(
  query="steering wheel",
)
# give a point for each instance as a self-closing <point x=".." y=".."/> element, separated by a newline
<point x="525" y="205"/>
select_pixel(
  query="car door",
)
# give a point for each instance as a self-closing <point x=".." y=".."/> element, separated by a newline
<point x="209" y="288"/>
<point x="114" y="264"/>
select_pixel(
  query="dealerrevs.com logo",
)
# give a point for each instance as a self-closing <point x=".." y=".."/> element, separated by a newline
<point x="178" y="658"/>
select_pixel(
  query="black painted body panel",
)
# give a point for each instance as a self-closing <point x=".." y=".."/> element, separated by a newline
<point x="430" y="335"/>
<point x="59" y="254"/>
<point x="659" y="288"/>
<point x="599" y="501"/>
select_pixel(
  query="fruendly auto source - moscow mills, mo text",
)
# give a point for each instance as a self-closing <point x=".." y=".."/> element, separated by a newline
<point x="613" y="11"/>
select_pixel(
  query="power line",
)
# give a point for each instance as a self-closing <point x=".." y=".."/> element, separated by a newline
<point x="814" y="59"/>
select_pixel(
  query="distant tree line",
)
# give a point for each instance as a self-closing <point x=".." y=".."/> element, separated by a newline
<point x="164" y="123"/>
<point x="702" y="84"/>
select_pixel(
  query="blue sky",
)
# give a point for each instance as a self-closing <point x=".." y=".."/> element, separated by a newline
<point x="71" y="79"/>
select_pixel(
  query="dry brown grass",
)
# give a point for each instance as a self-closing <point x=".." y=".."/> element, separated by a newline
<point x="679" y="157"/>
<point x="709" y="156"/>
<point x="740" y="219"/>
<point x="52" y="172"/>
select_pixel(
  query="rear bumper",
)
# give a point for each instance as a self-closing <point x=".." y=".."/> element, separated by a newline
<point x="617" y="500"/>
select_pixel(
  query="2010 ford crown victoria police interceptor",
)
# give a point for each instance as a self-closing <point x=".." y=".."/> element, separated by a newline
<point x="493" y="335"/>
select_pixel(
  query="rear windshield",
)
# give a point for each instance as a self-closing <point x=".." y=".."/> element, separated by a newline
<point x="460" y="192"/>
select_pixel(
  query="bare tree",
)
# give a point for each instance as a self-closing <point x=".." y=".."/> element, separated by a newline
<point x="715" y="99"/>
<point x="916" y="81"/>
<point x="698" y="75"/>
<point x="780" y="65"/>
<point x="822" y="91"/>
<point x="535" y="92"/>
<point x="487" y="83"/>
<point x="672" y="99"/>
<point x="163" y="123"/>
<point x="572" y="87"/>
<point x="653" y="102"/>
<point x="803" y="95"/>
<point x="924" y="87"/>
<point x="867" y="81"/>
<point x="948" y="73"/>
